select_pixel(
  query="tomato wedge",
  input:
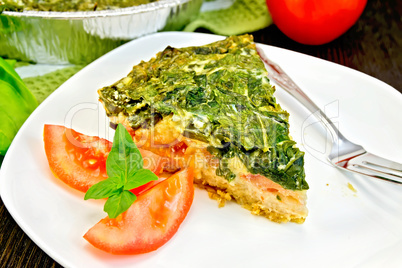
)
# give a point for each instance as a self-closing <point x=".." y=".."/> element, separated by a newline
<point x="79" y="160"/>
<point x="76" y="159"/>
<point x="151" y="221"/>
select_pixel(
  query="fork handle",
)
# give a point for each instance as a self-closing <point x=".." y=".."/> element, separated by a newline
<point x="276" y="74"/>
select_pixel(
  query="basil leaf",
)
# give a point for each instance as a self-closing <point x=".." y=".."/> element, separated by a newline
<point x="124" y="157"/>
<point x="104" y="189"/>
<point x="141" y="177"/>
<point x="124" y="167"/>
<point x="117" y="204"/>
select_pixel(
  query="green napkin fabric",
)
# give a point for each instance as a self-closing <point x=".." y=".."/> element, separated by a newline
<point x="42" y="86"/>
<point x="241" y="17"/>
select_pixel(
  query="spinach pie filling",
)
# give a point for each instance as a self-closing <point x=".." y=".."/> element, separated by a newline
<point x="221" y="95"/>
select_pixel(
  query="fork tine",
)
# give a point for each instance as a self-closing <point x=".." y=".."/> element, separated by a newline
<point x="377" y="176"/>
<point x="381" y="162"/>
<point x="381" y="166"/>
<point x="376" y="170"/>
<point x="375" y="166"/>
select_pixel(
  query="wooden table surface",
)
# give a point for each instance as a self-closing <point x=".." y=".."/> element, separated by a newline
<point x="373" y="46"/>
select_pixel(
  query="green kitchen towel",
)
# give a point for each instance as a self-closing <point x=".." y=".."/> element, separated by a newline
<point x="42" y="86"/>
<point x="239" y="17"/>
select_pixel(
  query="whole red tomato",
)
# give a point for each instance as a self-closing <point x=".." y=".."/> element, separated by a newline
<point x="315" y="22"/>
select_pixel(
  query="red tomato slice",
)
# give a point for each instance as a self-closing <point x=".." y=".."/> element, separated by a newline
<point x="150" y="222"/>
<point x="80" y="160"/>
<point x="76" y="159"/>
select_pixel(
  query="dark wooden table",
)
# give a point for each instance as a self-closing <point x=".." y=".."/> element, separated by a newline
<point x="373" y="46"/>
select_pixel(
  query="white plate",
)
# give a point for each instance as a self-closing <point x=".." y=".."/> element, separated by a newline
<point x="344" y="228"/>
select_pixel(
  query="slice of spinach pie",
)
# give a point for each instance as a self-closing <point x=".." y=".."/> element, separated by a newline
<point x="214" y="104"/>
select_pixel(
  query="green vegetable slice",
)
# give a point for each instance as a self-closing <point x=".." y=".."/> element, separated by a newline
<point x="16" y="104"/>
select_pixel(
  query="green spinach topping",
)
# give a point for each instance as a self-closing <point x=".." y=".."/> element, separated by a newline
<point x="221" y="94"/>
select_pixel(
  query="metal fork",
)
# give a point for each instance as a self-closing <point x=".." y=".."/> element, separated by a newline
<point x="344" y="153"/>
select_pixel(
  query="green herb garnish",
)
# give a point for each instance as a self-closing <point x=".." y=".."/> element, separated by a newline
<point x="124" y="167"/>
